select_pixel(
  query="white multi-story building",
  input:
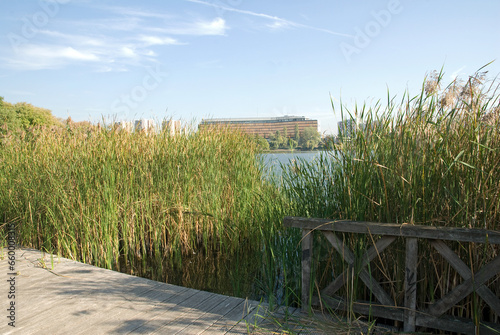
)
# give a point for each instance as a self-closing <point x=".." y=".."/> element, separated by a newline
<point x="264" y="127"/>
<point x="348" y="128"/>
<point x="124" y="125"/>
<point x="145" y="125"/>
<point x="173" y="127"/>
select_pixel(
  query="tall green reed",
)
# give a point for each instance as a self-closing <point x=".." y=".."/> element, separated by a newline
<point x="143" y="204"/>
<point x="432" y="159"/>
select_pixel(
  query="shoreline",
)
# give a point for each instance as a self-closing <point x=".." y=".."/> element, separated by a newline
<point x="287" y="151"/>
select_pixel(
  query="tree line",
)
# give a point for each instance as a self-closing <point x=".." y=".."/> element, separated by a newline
<point x="23" y="115"/>
<point x="309" y="139"/>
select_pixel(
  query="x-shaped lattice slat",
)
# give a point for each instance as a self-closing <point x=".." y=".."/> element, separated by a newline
<point x="471" y="282"/>
<point x="366" y="277"/>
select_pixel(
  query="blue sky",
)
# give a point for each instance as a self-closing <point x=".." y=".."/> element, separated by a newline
<point x="193" y="59"/>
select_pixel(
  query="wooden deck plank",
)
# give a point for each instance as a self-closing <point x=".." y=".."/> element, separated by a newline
<point x="88" y="288"/>
<point x="169" y="312"/>
<point x="210" y="318"/>
<point x="236" y="316"/>
<point x="186" y="316"/>
<point x="282" y="318"/>
<point x="97" y="315"/>
<point x="77" y="298"/>
<point x="250" y="318"/>
<point x="62" y="299"/>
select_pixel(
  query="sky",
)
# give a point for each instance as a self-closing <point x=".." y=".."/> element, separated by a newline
<point x="194" y="59"/>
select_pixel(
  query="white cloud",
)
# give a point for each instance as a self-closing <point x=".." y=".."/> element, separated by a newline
<point x="456" y="73"/>
<point x="150" y="53"/>
<point x="48" y="53"/>
<point x="44" y="57"/>
<point x="74" y="38"/>
<point x="157" y="40"/>
<point x="134" y="21"/>
<point x="135" y="12"/>
<point x="278" y="25"/>
<point x="277" y="22"/>
<point x="48" y="56"/>
<point x="215" y="27"/>
<point x="113" y="24"/>
<point x="71" y="53"/>
<point x="198" y="28"/>
<point x="128" y="52"/>
<point x="124" y="37"/>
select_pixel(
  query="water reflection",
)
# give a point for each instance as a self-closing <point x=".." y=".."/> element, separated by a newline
<point x="274" y="160"/>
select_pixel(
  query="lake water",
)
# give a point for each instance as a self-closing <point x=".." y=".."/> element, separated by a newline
<point x="275" y="160"/>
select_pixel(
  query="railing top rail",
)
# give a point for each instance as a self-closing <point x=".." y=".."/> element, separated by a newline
<point x="392" y="229"/>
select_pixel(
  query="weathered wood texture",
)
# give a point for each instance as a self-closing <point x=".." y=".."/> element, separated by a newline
<point x="411" y="284"/>
<point x="307" y="244"/>
<point x="75" y="298"/>
<point x="433" y="316"/>
<point x="392" y="229"/>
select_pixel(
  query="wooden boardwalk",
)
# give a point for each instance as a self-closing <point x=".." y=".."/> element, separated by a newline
<point x="59" y="296"/>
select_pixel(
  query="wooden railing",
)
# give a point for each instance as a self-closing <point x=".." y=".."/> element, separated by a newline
<point x="431" y="317"/>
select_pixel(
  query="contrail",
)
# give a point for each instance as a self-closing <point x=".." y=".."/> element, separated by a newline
<point x="270" y="17"/>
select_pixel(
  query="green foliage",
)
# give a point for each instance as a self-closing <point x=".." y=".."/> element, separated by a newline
<point x="277" y="140"/>
<point x="23" y="115"/>
<point x="329" y="142"/>
<point x="29" y="115"/>
<point x="262" y="143"/>
<point x="8" y="119"/>
<point x="296" y="136"/>
<point x="310" y="138"/>
<point x="154" y="205"/>
<point x="292" y="144"/>
<point x="428" y="160"/>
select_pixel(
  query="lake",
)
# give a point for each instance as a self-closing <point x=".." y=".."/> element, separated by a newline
<point x="274" y="159"/>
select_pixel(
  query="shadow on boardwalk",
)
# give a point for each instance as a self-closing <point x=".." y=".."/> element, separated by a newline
<point x="56" y="295"/>
<point x="59" y="296"/>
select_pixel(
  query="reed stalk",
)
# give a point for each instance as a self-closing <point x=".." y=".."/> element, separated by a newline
<point x="165" y="207"/>
<point x="427" y="160"/>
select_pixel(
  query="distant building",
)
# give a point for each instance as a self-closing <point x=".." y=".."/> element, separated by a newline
<point x="171" y="126"/>
<point x="124" y="125"/>
<point x="149" y="126"/>
<point x="263" y="126"/>
<point x="348" y="128"/>
<point x="145" y="125"/>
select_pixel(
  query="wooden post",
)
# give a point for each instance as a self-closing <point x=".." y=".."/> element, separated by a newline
<point x="410" y="284"/>
<point x="430" y="317"/>
<point x="307" y="248"/>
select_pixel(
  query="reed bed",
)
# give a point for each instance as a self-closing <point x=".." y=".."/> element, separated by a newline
<point x="432" y="159"/>
<point x="186" y="208"/>
<point x="195" y="209"/>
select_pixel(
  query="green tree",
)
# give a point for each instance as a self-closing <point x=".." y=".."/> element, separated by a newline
<point x="276" y="140"/>
<point x="8" y="119"/>
<point x="310" y="138"/>
<point x="297" y="134"/>
<point x="329" y="142"/>
<point x="262" y="143"/>
<point x="24" y="115"/>
<point x="284" y="139"/>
